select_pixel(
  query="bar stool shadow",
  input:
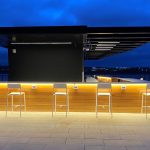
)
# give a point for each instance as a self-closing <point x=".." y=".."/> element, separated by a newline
<point x="14" y="90"/>
<point x="63" y="92"/>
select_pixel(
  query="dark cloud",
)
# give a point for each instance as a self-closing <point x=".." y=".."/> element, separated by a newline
<point x="74" y="12"/>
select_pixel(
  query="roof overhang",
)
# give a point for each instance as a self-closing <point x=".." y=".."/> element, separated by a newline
<point x="98" y="41"/>
<point x="106" y="41"/>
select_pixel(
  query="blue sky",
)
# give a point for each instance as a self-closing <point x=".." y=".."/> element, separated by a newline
<point x="81" y="12"/>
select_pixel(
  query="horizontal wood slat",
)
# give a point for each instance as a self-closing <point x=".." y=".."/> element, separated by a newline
<point x="82" y="99"/>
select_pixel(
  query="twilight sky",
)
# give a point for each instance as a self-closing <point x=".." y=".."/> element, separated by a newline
<point x="81" y="12"/>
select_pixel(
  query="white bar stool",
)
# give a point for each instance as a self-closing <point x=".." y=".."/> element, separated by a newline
<point x="57" y="93"/>
<point x="103" y="87"/>
<point x="12" y="86"/>
<point x="145" y="95"/>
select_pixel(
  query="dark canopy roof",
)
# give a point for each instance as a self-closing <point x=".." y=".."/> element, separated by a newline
<point x="105" y="41"/>
<point x="98" y="42"/>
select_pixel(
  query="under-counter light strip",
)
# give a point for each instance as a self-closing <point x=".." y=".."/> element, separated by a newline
<point x="43" y="43"/>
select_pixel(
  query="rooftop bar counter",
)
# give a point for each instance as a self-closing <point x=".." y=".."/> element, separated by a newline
<point x="126" y="97"/>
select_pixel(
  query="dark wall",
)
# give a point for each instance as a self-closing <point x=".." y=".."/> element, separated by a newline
<point x="54" y="63"/>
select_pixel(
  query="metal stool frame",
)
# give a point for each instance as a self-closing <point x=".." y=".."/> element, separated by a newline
<point x="104" y="86"/>
<point x="55" y="94"/>
<point x="12" y="86"/>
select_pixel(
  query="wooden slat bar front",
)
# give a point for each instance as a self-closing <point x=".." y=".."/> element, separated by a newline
<point x="126" y="97"/>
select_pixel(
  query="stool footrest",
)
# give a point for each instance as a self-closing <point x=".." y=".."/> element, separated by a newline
<point x="145" y="106"/>
<point x="102" y="105"/>
<point x="60" y="105"/>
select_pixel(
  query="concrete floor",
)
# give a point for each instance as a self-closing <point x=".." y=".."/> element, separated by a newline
<point x="80" y="131"/>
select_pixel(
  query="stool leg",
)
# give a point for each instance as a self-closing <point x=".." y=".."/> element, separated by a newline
<point x="12" y="103"/>
<point x="24" y="97"/>
<point x="142" y="103"/>
<point x="52" y="104"/>
<point x="20" y="105"/>
<point x="145" y="105"/>
<point x="96" y="105"/>
<point x="6" y="105"/>
<point x="109" y="103"/>
<point x="55" y="102"/>
<point x="68" y="104"/>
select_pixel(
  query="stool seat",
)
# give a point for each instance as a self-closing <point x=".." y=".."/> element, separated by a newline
<point x="104" y="94"/>
<point x="60" y="93"/>
<point x="16" y="93"/>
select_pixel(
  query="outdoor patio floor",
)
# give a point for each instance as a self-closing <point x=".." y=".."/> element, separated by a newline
<point x="79" y="131"/>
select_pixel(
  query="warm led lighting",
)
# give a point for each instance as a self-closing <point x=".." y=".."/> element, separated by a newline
<point x="104" y="79"/>
<point x="2" y="84"/>
<point x="42" y="43"/>
<point x="109" y="42"/>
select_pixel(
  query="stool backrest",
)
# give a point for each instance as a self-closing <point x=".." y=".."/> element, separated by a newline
<point x="104" y="85"/>
<point x="14" y="86"/>
<point x="60" y="85"/>
<point x="148" y="86"/>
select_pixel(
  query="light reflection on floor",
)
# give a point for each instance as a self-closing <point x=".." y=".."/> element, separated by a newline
<point x="79" y="131"/>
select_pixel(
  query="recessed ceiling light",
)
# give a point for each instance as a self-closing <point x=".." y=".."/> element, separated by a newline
<point x="106" y="44"/>
<point x="109" y="42"/>
<point x="103" y="47"/>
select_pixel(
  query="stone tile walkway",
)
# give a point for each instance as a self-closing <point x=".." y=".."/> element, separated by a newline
<point x="79" y="131"/>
